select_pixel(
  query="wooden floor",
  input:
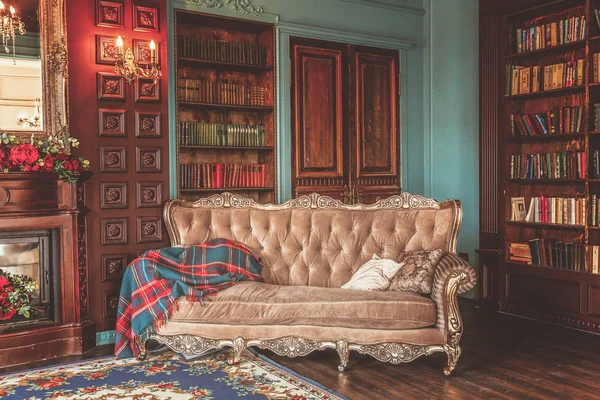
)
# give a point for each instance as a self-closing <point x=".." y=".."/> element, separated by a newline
<point x="503" y="357"/>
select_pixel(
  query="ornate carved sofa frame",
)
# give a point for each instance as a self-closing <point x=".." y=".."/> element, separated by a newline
<point x="297" y="240"/>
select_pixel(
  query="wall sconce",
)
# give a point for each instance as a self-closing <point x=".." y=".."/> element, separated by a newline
<point x="35" y="122"/>
<point x="126" y="66"/>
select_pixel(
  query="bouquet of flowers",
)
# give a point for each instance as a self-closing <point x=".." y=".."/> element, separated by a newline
<point x="15" y="295"/>
<point x="50" y="155"/>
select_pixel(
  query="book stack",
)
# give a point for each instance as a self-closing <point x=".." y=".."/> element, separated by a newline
<point x="597" y="117"/>
<point x="594" y="259"/>
<point x="208" y="134"/>
<point x="221" y="51"/>
<point x="208" y="176"/>
<point x="524" y="80"/>
<point x="557" y="210"/>
<point x="559" y="120"/>
<point x="594" y="214"/>
<point x="217" y="92"/>
<point x="520" y="252"/>
<point x="557" y="254"/>
<point x="595" y="172"/>
<point x="563" y="165"/>
<point x="539" y="37"/>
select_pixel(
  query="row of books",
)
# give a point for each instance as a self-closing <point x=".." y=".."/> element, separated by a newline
<point x="556" y="210"/>
<point x="207" y="176"/>
<point x="594" y="220"/>
<point x="594" y="259"/>
<point x="550" y="253"/>
<point x="597" y="117"/>
<point x="595" y="171"/>
<point x="524" y="80"/>
<point x="221" y="51"/>
<point x="210" y="134"/>
<point x="551" y="34"/>
<point x="563" y="165"/>
<point x="217" y="92"/>
<point x="556" y="121"/>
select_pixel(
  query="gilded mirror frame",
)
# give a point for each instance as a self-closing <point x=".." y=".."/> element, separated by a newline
<point x="54" y="60"/>
<point x="53" y="35"/>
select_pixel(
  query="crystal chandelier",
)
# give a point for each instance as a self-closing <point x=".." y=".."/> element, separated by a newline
<point x="10" y="25"/>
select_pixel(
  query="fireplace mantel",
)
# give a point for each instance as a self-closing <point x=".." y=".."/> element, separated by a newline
<point x="40" y="201"/>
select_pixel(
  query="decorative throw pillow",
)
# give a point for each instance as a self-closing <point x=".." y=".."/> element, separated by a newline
<point x="375" y="274"/>
<point x="416" y="274"/>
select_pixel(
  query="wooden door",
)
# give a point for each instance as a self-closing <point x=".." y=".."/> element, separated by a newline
<point x="319" y="122"/>
<point x="374" y="124"/>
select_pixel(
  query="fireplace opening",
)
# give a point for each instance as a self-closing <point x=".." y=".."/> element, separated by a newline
<point x="31" y="259"/>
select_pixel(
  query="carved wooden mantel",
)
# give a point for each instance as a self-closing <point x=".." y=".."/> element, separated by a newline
<point x="40" y="201"/>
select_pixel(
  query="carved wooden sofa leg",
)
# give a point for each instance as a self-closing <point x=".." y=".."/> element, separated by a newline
<point x="239" y="344"/>
<point x="143" y="353"/>
<point x="342" y="348"/>
<point x="454" y="325"/>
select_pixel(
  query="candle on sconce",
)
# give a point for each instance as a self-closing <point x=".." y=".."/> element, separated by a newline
<point x="120" y="44"/>
<point x="12" y="10"/>
<point x="153" y="52"/>
<point x="1" y="5"/>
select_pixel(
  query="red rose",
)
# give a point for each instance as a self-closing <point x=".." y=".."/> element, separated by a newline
<point x="76" y="164"/>
<point x="4" y="281"/>
<point x="3" y="298"/>
<point x="23" y="154"/>
<point x="68" y="166"/>
<point x="26" y="168"/>
<point x="9" y="313"/>
<point x="36" y="167"/>
<point x="48" y="163"/>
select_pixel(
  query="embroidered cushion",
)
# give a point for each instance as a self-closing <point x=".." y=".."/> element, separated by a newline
<point x="416" y="274"/>
<point x="375" y="274"/>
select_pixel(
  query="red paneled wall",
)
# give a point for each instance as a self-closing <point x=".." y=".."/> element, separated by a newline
<point x="123" y="131"/>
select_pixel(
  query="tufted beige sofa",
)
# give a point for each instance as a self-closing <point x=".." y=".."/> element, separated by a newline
<point x="311" y="246"/>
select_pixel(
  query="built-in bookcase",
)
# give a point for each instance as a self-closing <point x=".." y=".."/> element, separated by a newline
<point x="548" y="116"/>
<point x="225" y="105"/>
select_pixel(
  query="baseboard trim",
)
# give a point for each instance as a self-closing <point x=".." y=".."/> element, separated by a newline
<point x="106" y="337"/>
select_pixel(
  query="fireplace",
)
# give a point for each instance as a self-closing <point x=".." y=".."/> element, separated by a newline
<point x="35" y="255"/>
<point x="43" y="236"/>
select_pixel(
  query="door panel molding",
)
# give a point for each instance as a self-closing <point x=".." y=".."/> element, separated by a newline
<point x="284" y="120"/>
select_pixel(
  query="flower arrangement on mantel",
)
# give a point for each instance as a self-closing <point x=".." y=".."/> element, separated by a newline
<point x="50" y="155"/>
<point x="15" y="295"/>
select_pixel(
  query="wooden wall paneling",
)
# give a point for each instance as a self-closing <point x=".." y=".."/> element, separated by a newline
<point x="319" y="117"/>
<point x="123" y="131"/>
<point x="374" y="127"/>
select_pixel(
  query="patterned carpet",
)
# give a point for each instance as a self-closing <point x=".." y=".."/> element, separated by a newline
<point x="165" y="376"/>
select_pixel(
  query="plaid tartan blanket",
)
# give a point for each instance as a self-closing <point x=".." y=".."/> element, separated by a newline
<point x="154" y="281"/>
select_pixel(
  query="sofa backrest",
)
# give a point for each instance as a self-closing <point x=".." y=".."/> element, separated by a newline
<point x="316" y="240"/>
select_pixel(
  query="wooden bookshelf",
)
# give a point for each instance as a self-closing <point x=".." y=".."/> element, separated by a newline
<point x="225" y="106"/>
<point x="563" y="296"/>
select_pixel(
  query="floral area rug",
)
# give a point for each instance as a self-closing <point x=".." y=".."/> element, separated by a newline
<point x="165" y="376"/>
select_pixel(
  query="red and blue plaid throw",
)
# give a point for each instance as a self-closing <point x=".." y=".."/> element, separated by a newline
<point x="154" y="281"/>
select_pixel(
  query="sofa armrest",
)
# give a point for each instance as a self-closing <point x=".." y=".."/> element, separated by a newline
<point x="452" y="276"/>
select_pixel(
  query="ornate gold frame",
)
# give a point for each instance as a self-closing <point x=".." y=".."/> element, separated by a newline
<point x="53" y="42"/>
<point x="290" y="346"/>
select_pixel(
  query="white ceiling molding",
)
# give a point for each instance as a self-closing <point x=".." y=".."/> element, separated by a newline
<point x="389" y="4"/>
<point x="241" y="6"/>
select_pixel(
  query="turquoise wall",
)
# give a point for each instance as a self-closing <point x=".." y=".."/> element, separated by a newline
<point x="451" y="99"/>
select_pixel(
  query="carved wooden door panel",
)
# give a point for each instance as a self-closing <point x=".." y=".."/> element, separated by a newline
<point x="374" y="124"/>
<point x="319" y="123"/>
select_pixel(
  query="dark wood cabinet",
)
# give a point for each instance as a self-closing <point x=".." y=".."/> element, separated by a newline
<point x="345" y="120"/>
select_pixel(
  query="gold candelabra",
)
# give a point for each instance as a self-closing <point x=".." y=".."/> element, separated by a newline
<point x="127" y="67"/>
<point x="10" y="26"/>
